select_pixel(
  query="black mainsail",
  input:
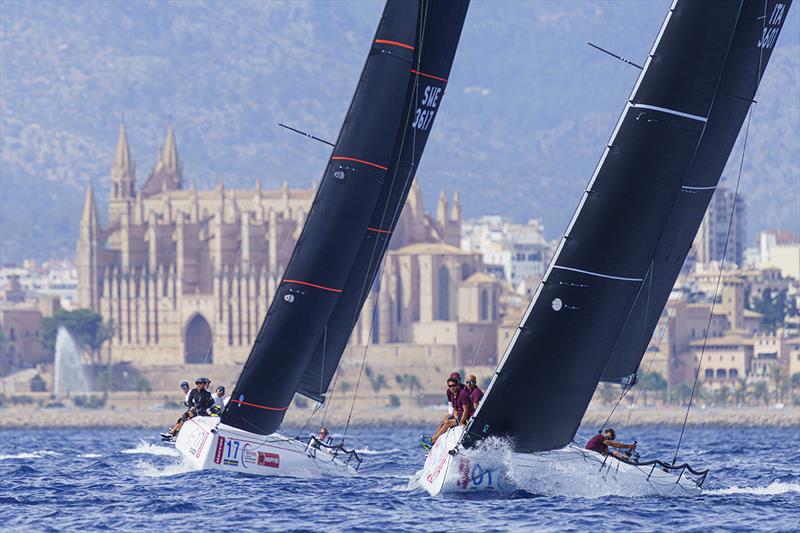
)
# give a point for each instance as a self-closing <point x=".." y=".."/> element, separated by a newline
<point x="440" y="30"/>
<point x="352" y="188"/>
<point x="759" y="24"/>
<point x="550" y="370"/>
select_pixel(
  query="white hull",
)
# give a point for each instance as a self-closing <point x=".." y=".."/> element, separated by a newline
<point x="571" y="471"/>
<point x="204" y="443"/>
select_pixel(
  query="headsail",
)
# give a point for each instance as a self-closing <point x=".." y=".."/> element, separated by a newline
<point x="441" y="24"/>
<point x="753" y="42"/>
<point x="555" y="360"/>
<point x="323" y="256"/>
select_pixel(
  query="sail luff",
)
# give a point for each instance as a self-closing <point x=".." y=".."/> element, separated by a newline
<point x="512" y="342"/>
<point x="556" y="357"/>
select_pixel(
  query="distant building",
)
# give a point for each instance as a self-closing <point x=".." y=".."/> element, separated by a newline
<point x="519" y="251"/>
<point x="186" y="275"/>
<point x="713" y="234"/>
<point x="780" y="250"/>
<point x="21" y="318"/>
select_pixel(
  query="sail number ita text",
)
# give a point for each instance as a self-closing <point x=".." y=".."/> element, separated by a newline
<point x="427" y="108"/>
<point x="773" y="26"/>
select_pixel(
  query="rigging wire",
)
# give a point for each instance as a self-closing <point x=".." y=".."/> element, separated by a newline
<point x="379" y="274"/>
<point x="727" y="240"/>
<point x="716" y="289"/>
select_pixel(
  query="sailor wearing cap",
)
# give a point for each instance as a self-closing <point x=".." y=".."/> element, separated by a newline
<point x="186" y="390"/>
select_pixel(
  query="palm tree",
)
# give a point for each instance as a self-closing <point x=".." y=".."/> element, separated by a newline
<point x="740" y="391"/>
<point x="795" y="385"/>
<point x="410" y="382"/>
<point x="778" y="381"/>
<point x="378" y="382"/>
<point x="142" y="385"/>
<point x="760" y="391"/>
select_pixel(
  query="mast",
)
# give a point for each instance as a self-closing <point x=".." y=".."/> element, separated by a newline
<point x="756" y="32"/>
<point x="323" y="257"/>
<point x="544" y="383"/>
<point x="440" y="30"/>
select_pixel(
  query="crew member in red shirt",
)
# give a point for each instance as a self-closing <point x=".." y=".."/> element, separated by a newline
<point x="602" y="441"/>
<point x="475" y="394"/>
<point x="459" y="400"/>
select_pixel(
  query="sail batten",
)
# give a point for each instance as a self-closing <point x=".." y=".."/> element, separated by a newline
<point x="556" y="358"/>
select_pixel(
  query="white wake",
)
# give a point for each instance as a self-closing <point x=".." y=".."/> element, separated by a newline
<point x="147" y="448"/>
<point x="776" y="487"/>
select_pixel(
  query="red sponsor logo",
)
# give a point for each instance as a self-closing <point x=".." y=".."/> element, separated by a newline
<point x="271" y="460"/>
<point x="463" y="470"/>
<point x="220" y="450"/>
<point x="436" y="471"/>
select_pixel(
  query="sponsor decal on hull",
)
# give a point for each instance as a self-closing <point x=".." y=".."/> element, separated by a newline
<point x="271" y="460"/>
<point x="198" y="443"/>
<point x="220" y="450"/>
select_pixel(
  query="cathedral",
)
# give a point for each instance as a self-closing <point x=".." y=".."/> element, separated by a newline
<point x="186" y="275"/>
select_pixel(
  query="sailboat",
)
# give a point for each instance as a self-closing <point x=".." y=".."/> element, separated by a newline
<point x="593" y="314"/>
<point x="338" y="253"/>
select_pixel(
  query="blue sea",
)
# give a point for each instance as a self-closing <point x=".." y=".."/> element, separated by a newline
<point x="127" y="480"/>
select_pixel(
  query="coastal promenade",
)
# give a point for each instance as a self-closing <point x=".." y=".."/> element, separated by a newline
<point x="157" y="418"/>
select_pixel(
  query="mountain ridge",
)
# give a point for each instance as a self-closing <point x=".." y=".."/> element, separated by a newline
<point x="528" y="110"/>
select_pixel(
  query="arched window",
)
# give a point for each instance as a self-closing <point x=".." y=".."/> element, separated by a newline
<point x="444" y="294"/>
<point x="709" y="373"/>
<point x="733" y="373"/>
<point x="198" y="342"/>
<point x="721" y="373"/>
<point x="484" y="304"/>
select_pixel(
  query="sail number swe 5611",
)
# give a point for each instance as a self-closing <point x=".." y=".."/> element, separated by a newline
<point x="427" y="108"/>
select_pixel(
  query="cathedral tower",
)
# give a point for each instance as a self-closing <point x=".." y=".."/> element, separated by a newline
<point x="88" y="244"/>
<point x="123" y="177"/>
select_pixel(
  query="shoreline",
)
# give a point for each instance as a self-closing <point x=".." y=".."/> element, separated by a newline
<point x="158" y="419"/>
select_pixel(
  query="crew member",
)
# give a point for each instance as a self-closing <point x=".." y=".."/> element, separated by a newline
<point x="602" y="441"/>
<point x="459" y="400"/>
<point x="475" y="394"/>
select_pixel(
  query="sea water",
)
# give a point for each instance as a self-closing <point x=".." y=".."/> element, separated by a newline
<point x="128" y="480"/>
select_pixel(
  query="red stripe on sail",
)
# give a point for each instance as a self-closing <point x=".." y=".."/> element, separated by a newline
<point x="342" y="158"/>
<point x="401" y="45"/>
<point x="323" y="287"/>
<point x="376" y="230"/>
<point x="428" y="75"/>
<point x="260" y="406"/>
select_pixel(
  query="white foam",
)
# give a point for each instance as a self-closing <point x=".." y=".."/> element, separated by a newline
<point x="147" y="469"/>
<point x="776" y="487"/>
<point x="30" y="455"/>
<point x="91" y="455"/>
<point x="146" y="448"/>
<point x="370" y="451"/>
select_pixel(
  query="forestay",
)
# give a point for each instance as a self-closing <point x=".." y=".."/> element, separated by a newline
<point x="759" y="23"/>
<point x="440" y="25"/>
<point x="555" y="360"/>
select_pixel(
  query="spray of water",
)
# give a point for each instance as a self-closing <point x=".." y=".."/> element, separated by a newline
<point x="70" y="375"/>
